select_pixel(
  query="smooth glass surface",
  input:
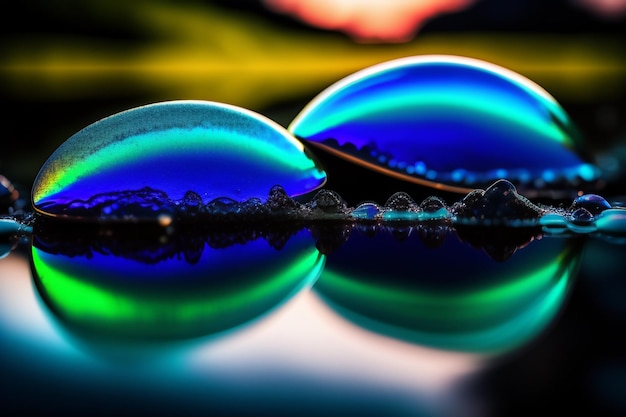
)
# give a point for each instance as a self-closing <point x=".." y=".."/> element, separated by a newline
<point x="212" y="149"/>
<point x="448" y="122"/>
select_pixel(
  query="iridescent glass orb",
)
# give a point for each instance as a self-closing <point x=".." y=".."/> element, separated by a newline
<point x="448" y="122"/>
<point x="166" y="150"/>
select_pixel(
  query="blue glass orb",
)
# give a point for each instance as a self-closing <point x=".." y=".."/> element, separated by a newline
<point x="448" y="122"/>
<point x="166" y="150"/>
<point x="593" y="203"/>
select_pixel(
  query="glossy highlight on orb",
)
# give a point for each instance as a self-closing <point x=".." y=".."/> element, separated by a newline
<point x="211" y="149"/>
<point x="448" y="122"/>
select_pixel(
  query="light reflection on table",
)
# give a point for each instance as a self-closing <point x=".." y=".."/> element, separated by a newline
<point x="300" y="358"/>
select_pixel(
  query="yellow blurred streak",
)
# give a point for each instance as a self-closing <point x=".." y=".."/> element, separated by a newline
<point x="199" y="52"/>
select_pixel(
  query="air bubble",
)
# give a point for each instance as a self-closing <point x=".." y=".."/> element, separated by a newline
<point x="593" y="203"/>
<point x="366" y="211"/>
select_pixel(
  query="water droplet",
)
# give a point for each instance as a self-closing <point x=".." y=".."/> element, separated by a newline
<point x="581" y="217"/>
<point x="253" y="208"/>
<point x="459" y="123"/>
<point x="191" y="204"/>
<point x="581" y="221"/>
<point x="222" y="206"/>
<point x="500" y="203"/>
<point x="400" y="207"/>
<point x="366" y="211"/>
<point x="279" y="200"/>
<point x="211" y="149"/>
<point x="432" y="204"/>
<point x="401" y="201"/>
<point x="328" y="202"/>
<point x="593" y="203"/>
<point x="433" y="208"/>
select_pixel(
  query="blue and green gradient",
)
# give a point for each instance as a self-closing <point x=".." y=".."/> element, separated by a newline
<point x="448" y="122"/>
<point x="212" y="149"/>
<point x="454" y="297"/>
<point x="119" y="294"/>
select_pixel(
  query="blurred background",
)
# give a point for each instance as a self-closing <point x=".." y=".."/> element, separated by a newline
<point x="65" y="64"/>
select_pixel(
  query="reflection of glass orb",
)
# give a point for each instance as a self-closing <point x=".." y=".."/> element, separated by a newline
<point x="453" y="297"/>
<point x="143" y="289"/>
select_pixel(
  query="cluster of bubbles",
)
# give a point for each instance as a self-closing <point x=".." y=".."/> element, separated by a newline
<point x="498" y="205"/>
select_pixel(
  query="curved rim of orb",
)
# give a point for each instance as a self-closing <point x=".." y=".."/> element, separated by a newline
<point x="246" y="112"/>
<point x="394" y="174"/>
<point x="416" y="60"/>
